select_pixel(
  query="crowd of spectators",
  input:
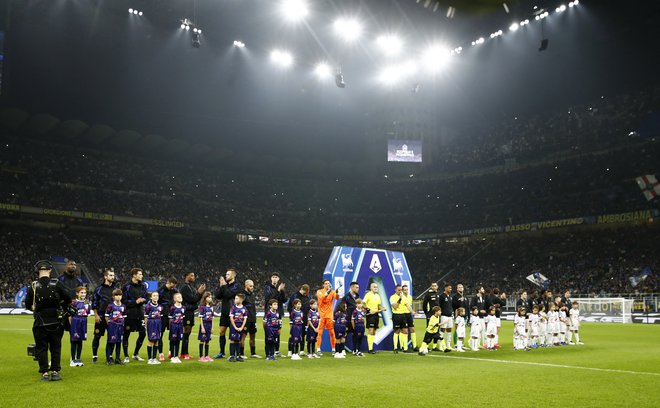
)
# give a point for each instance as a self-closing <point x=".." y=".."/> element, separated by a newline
<point x="586" y="261"/>
<point x="601" y="123"/>
<point x="63" y="178"/>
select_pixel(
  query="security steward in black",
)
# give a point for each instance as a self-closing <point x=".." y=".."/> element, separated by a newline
<point x="47" y="299"/>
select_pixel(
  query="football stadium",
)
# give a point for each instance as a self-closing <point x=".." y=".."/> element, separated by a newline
<point x="216" y="201"/>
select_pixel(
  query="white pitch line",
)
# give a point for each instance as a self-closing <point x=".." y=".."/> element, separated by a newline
<point x="607" y="370"/>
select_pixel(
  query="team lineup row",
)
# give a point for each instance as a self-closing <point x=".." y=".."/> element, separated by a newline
<point x="353" y="316"/>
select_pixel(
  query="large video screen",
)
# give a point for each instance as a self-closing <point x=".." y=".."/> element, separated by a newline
<point x="404" y="151"/>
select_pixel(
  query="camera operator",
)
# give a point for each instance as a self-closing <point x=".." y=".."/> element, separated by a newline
<point x="47" y="298"/>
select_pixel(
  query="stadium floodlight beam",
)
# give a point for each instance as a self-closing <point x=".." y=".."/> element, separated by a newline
<point x="391" y="45"/>
<point x="294" y="10"/>
<point x="436" y="57"/>
<point x="281" y="58"/>
<point x="323" y="70"/>
<point x="348" y="28"/>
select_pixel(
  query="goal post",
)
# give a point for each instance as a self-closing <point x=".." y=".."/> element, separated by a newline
<point x="605" y="310"/>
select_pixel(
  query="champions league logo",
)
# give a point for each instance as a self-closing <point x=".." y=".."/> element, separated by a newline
<point x="347" y="262"/>
<point x="404" y="152"/>
<point x="397" y="265"/>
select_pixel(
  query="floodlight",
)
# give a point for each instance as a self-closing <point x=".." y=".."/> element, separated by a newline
<point x="294" y="10"/>
<point x="348" y="28"/>
<point x="323" y="70"/>
<point x="390" y="44"/>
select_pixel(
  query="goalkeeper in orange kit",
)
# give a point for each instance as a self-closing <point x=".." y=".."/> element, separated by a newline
<point x="325" y="297"/>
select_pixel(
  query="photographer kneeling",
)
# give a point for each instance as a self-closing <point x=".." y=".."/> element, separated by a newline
<point x="47" y="299"/>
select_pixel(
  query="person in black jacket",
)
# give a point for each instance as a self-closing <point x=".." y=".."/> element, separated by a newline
<point x="251" y="326"/>
<point x="100" y="300"/>
<point x="166" y="300"/>
<point x="303" y="295"/>
<point x="227" y="289"/>
<point x="47" y="299"/>
<point x="499" y="301"/>
<point x="70" y="282"/>
<point x="523" y="302"/>
<point x="134" y="297"/>
<point x="191" y="298"/>
<point x="275" y="290"/>
<point x="431" y="299"/>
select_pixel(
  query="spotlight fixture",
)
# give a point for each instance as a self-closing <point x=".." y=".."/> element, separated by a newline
<point x="239" y="44"/>
<point x="196" y="41"/>
<point x="135" y="12"/>
<point x="514" y="27"/>
<point x="560" y="9"/>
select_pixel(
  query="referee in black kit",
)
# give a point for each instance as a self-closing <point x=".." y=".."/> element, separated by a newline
<point x="47" y="298"/>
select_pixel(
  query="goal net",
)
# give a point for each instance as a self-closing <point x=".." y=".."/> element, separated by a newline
<point x="606" y="310"/>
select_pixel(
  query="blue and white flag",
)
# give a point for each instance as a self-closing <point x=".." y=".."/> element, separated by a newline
<point x="20" y="296"/>
<point x="637" y="279"/>
<point x="539" y="279"/>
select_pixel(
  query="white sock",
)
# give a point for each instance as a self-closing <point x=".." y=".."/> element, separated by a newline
<point x="569" y="336"/>
<point x="496" y="339"/>
<point x="459" y="344"/>
<point x="577" y="337"/>
<point x="448" y="339"/>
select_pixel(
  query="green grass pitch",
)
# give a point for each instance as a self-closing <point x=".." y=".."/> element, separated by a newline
<point x="618" y="366"/>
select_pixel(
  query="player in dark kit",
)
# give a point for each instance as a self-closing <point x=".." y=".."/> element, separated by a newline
<point x="349" y="300"/>
<point x="114" y="315"/>
<point x="357" y="322"/>
<point x="313" y="320"/>
<point x="205" y="313"/>
<point x="153" y="313"/>
<point x="446" y="315"/>
<point x="191" y="298"/>
<point x="135" y="296"/>
<point x="274" y="289"/>
<point x="340" y="330"/>
<point x="303" y="295"/>
<point x="226" y="292"/>
<point x="272" y="325"/>
<point x="100" y="300"/>
<point x="165" y="299"/>
<point x="176" y="314"/>
<point x="238" y="320"/>
<point x="78" y="325"/>
<point x="251" y="327"/>
<point x="297" y="326"/>
<point x="70" y="282"/>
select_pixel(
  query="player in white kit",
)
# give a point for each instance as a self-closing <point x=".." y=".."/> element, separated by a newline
<point x="553" y="324"/>
<point x="519" y="332"/>
<point x="491" y="328"/>
<point x="460" y="329"/>
<point x="574" y="321"/>
<point x="475" y="329"/>
<point x="534" y="326"/>
<point x="563" y="323"/>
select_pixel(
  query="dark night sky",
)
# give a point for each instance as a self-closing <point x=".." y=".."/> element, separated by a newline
<point x="91" y="60"/>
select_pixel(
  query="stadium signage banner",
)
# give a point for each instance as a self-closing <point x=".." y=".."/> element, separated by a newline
<point x="404" y="151"/>
<point x="625" y="217"/>
<point x="10" y="207"/>
<point x="366" y="266"/>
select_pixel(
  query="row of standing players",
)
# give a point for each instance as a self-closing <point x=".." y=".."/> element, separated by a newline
<point x="124" y="311"/>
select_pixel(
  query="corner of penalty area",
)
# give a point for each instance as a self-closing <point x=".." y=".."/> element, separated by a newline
<point x="366" y="266"/>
